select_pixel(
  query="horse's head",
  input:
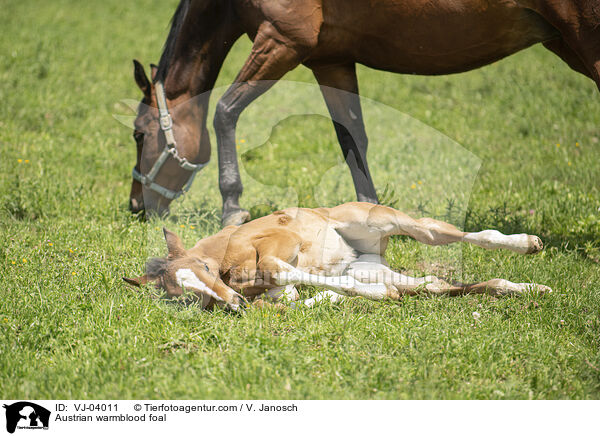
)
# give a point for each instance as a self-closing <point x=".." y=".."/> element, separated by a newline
<point x="159" y="178"/>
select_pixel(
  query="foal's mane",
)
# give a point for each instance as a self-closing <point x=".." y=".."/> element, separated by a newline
<point x="156" y="266"/>
<point x="169" y="49"/>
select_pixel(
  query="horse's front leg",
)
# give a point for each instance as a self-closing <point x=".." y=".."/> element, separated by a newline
<point x="339" y="87"/>
<point x="272" y="56"/>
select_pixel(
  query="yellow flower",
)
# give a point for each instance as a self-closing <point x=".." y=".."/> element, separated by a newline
<point x="557" y="145"/>
<point x="413" y="186"/>
<point x="13" y="262"/>
<point x="50" y="244"/>
<point x="70" y="251"/>
<point x="20" y="160"/>
<point x="73" y="273"/>
<point x="419" y="182"/>
<point x="242" y="141"/>
<point x="24" y="260"/>
<point x="182" y="226"/>
<point x="577" y="144"/>
<point x="569" y="163"/>
<point x="192" y="227"/>
<point x="26" y="160"/>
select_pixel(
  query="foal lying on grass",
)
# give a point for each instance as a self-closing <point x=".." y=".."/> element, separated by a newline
<point x="339" y="249"/>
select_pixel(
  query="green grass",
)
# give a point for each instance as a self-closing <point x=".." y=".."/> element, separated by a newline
<point x="71" y="329"/>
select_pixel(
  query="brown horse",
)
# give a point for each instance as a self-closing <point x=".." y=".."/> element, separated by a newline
<point x="330" y="37"/>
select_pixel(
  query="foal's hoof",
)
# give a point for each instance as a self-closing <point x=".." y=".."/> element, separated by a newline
<point x="542" y="289"/>
<point x="236" y="218"/>
<point x="535" y="245"/>
<point x="238" y="303"/>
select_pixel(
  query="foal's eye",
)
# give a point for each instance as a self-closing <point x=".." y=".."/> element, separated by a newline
<point x="203" y="264"/>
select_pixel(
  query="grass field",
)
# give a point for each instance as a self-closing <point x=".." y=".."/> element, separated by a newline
<point x="528" y="161"/>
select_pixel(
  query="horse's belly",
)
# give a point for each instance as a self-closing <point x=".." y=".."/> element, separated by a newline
<point x="428" y="37"/>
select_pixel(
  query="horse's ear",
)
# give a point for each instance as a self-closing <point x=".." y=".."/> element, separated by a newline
<point x="174" y="244"/>
<point x="153" y="71"/>
<point x="140" y="78"/>
<point x="137" y="281"/>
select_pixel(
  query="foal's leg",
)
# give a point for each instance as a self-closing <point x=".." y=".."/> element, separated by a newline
<point x="272" y="56"/>
<point x="371" y="269"/>
<point x="282" y="273"/>
<point x="363" y="223"/>
<point x="289" y="293"/>
<point x="340" y="90"/>
<point x="334" y="297"/>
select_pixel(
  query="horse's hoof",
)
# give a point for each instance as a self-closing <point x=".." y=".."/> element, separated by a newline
<point x="236" y="218"/>
<point x="535" y="245"/>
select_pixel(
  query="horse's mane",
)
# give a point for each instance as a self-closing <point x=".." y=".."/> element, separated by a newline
<point x="170" y="44"/>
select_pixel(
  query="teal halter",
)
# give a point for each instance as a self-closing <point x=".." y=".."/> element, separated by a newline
<point x="166" y="125"/>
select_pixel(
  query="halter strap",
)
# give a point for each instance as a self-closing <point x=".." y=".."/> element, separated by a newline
<point x="166" y="125"/>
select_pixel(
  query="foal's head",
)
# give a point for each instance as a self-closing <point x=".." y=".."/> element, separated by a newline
<point x="180" y="274"/>
<point x="189" y="129"/>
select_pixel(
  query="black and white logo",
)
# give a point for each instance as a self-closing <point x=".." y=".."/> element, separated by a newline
<point x="26" y="415"/>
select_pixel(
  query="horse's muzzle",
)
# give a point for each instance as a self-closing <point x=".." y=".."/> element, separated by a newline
<point x="136" y="206"/>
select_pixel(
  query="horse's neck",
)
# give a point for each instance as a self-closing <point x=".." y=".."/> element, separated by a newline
<point x="197" y="74"/>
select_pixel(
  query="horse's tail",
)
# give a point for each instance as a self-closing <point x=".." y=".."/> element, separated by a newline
<point x="169" y="48"/>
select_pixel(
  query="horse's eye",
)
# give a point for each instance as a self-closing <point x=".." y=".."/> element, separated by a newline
<point x="137" y="135"/>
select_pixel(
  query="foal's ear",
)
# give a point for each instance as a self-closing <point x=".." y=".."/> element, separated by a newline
<point x="141" y="79"/>
<point x="137" y="281"/>
<point x="174" y="244"/>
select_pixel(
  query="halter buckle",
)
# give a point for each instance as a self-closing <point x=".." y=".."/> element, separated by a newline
<point x="166" y="122"/>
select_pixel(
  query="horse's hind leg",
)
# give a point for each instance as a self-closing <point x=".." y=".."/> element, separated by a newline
<point x="578" y="22"/>
<point x="272" y="56"/>
<point x="340" y="90"/>
<point x="560" y="48"/>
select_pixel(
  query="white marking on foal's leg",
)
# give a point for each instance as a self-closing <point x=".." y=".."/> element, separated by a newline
<point x="334" y="297"/>
<point x="371" y="269"/>
<point x="493" y="239"/>
<point x="344" y="285"/>
<point x="186" y="278"/>
<point x="287" y="292"/>
<point x="505" y="287"/>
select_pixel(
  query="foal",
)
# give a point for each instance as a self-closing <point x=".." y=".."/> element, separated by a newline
<point x="339" y="249"/>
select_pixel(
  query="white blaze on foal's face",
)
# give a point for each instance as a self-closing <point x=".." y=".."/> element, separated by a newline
<point x="187" y="279"/>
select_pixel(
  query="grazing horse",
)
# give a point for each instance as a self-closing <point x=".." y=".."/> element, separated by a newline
<point x="340" y="249"/>
<point x="329" y="37"/>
